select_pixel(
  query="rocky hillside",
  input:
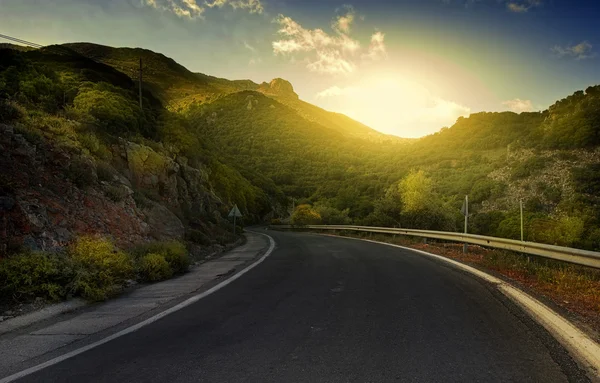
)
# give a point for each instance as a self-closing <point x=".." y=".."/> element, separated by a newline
<point x="52" y="194"/>
<point x="200" y="144"/>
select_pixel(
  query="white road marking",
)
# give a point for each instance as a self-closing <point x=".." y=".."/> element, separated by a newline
<point x="146" y="322"/>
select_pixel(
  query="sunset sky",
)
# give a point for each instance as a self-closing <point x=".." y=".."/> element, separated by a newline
<point x="404" y="67"/>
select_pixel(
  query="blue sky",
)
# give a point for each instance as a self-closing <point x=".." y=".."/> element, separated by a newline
<point x="405" y="67"/>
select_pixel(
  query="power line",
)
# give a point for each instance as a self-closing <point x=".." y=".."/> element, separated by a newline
<point x="16" y="40"/>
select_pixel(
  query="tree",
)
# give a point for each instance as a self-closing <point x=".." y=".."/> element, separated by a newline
<point x="416" y="192"/>
<point x="305" y="215"/>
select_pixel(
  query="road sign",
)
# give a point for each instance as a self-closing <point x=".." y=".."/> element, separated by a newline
<point x="235" y="212"/>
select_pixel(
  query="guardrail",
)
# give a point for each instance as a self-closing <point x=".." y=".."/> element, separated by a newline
<point x="566" y="254"/>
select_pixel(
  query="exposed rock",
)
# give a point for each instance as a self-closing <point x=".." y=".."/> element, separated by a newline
<point x="278" y="87"/>
<point x="164" y="224"/>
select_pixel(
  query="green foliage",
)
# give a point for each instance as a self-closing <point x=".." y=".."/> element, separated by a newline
<point x="564" y="231"/>
<point x="81" y="172"/>
<point x="332" y="216"/>
<point x="154" y="267"/>
<point x="116" y="193"/>
<point x="416" y="192"/>
<point x="531" y="166"/>
<point x="10" y="111"/>
<point x="174" y="252"/>
<point x="198" y="236"/>
<point x="572" y="122"/>
<point x="104" y="171"/>
<point x="305" y="215"/>
<point x="35" y="274"/>
<point x="109" y="108"/>
<point x="102" y="270"/>
<point x="141" y="200"/>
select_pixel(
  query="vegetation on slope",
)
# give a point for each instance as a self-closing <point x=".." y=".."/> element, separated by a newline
<point x="264" y="148"/>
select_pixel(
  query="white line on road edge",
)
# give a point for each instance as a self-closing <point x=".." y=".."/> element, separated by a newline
<point x="146" y="322"/>
<point x="576" y="341"/>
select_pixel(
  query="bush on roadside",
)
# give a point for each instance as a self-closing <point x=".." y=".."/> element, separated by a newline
<point x="198" y="237"/>
<point x="102" y="270"/>
<point x="154" y="267"/>
<point x="30" y="275"/>
<point x="174" y="252"/>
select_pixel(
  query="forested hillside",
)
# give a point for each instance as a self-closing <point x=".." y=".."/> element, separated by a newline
<point x="220" y="142"/>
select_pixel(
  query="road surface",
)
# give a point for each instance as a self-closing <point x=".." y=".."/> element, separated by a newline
<point x="324" y="309"/>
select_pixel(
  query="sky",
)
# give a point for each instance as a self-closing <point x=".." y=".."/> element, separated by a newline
<point x="403" y="67"/>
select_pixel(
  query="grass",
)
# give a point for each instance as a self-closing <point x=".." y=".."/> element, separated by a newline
<point x="572" y="287"/>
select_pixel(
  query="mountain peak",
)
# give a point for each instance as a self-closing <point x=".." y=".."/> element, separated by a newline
<point x="278" y="87"/>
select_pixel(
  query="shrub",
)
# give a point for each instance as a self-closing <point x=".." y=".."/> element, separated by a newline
<point x="10" y="111"/>
<point x="198" y="237"/>
<point x="141" y="200"/>
<point x="305" y="215"/>
<point x="116" y="193"/>
<point x="105" y="171"/>
<point x="174" y="253"/>
<point x="81" y="172"/>
<point x="101" y="269"/>
<point x="35" y="274"/>
<point x="32" y="135"/>
<point x="154" y="267"/>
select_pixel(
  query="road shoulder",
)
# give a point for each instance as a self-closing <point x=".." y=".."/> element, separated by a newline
<point x="43" y="341"/>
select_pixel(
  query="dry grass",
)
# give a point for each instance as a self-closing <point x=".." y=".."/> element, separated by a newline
<point x="574" y="288"/>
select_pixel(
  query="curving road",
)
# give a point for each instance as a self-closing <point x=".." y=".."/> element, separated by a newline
<point x="324" y="309"/>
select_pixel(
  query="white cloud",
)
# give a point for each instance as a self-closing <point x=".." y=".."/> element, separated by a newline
<point x="182" y="8"/>
<point x="393" y="104"/>
<point x="332" y="92"/>
<point x="343" y="23"/>
<point x="519" y="106"/>
<point x="580" y="51"/>
<point x="377" y="47"/>
<point x="249" y="47"/>
<point x="252" y="6"/>
<point x="326" y="53"/>
<point x="193" y="9"/>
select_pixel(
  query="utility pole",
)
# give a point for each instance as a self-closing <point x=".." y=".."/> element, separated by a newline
<point x="466" y="221"/>
<point x="521" y="208"/>
<point x="140" y="80"/>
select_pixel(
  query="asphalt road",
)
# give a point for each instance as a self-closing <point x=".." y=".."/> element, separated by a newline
<point x="323" y="309"/>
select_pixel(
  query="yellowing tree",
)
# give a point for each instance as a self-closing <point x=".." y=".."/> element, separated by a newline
<point x="305" y="215"/>
<point x="416" y="192"/>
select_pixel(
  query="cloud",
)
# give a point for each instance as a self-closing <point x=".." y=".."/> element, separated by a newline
<point x="193" y="9"/>
<point x="517" y="6"/>
<point x="252" y="6"/>
<point x="377" y="47"/>
<point x="343" y="23"/>
<point x="335" y="91"/>
<point x="522" y="6"/>
<point x="580" y="51"/>
<point x="182" y="8"/>
<point x="249" y="47"/>
<point x="393" y="104"/>
<point x="335" y="53"/>
<point x="519" y="106"/>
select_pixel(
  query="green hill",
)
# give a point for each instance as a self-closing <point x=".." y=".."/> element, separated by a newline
<point x="260" y="146"/>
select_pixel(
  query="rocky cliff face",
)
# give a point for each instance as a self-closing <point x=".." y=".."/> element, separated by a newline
<point x="278" y="87"/>
<point x="50" y="194"/>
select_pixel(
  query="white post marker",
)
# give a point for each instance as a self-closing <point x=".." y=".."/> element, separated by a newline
<point x="465" y="211"/>
<point x="235" y="212"/>
<point x="521" y="208"/>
